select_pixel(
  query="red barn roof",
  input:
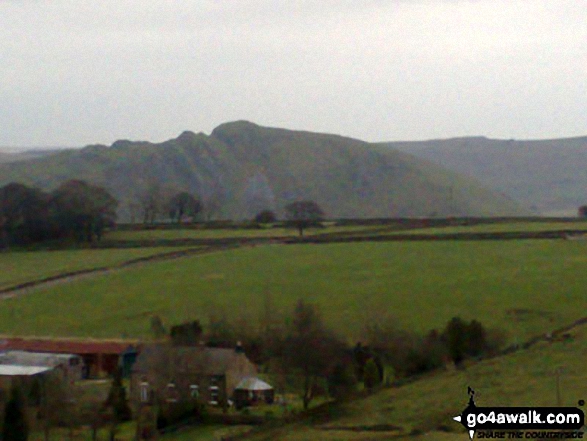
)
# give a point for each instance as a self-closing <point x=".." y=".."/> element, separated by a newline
<point x="66" y="346"/>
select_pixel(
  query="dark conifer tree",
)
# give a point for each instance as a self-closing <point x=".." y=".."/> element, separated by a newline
<point x="15" y="426"/>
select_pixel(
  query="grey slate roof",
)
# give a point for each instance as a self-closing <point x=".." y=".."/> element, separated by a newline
<point x="24" y="358"/>
<point x="12" y="370"/>
<point x="203" y="360"/>
<point x="253" y="383"/>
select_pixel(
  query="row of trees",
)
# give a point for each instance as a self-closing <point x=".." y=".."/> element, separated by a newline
<point x="301" y="346"/>
<point x="157" y="202"/>
<point x="75" y="209"/>
<point x="299" y="214"/>
<point x="60" y="406"/>
<point x="79" y="210"/>
<point x="411" y="354"/>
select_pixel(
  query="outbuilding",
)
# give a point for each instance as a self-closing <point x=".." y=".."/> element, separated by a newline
<point x="251" y="391"/>
<point x="69" y="366"/>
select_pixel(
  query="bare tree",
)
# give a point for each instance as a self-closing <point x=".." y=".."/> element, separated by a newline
<point x="303" y="214"/>
<point x="266" y="217"/>
<point x="214" y="201"/>
<point x="311" y="348"/>
<point x="134" y="209"/>
<point x="56" y="406"/>
<point x="183" y="204"/>
<point x="150" y="202"/>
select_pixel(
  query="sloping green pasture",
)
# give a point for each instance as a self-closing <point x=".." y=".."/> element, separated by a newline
<point x="525" y="378"/>
<point x="523" y="287"/>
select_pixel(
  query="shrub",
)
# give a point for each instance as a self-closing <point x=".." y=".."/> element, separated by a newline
<point x="266" y="217"/>
<point x="117" y="399"/>
<point x="464" y="339"/>
<point x="341" y="381"/>
<point x="175" y="413"/>
<point x="371" y="376"/>
<point x="15" y="426"/>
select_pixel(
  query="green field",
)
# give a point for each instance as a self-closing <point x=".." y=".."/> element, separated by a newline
<point x="500" y="228"/>
<point x="24" y="266"/>
<point x="524" y="287"/>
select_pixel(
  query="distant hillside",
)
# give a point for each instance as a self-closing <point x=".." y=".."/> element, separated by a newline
<point x="7" y="155"/>
<point x="550" y="175"/>
<point x="243" y="168"/>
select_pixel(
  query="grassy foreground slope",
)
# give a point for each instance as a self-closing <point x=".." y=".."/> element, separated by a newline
<point x="525" y="287"/>
<point x="525" y="378"/>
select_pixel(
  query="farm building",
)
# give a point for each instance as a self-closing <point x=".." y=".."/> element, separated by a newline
<point x="100" y="357"/>
<point x="68" y="366"/>
<point x="171" y="373"/>
<point x="251" y="391"/>
<point x="23" y="376"/>
<point x="9" y="373"/>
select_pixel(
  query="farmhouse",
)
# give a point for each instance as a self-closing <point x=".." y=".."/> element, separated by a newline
<point x="100" y="357"/>
<point x="171" y="374"/>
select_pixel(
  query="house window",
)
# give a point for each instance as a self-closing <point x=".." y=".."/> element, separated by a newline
<point x="214" y="394"/>
<point x="194" y="391"/>
<point x="144" y="392"/>
<point x="214" y="391"/>
<point x="171" y="393"/>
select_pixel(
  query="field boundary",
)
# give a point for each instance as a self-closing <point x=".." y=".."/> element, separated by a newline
<point x="15" y="290"/>
<point x="513" y="235"/>
<point x="368" y="235"/>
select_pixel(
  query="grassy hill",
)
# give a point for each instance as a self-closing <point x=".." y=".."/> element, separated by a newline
<point x="546" y="174"/>
<point x="243" y="168"/>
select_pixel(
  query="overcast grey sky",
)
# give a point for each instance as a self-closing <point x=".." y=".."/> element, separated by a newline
<point x="75" y="72"/>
